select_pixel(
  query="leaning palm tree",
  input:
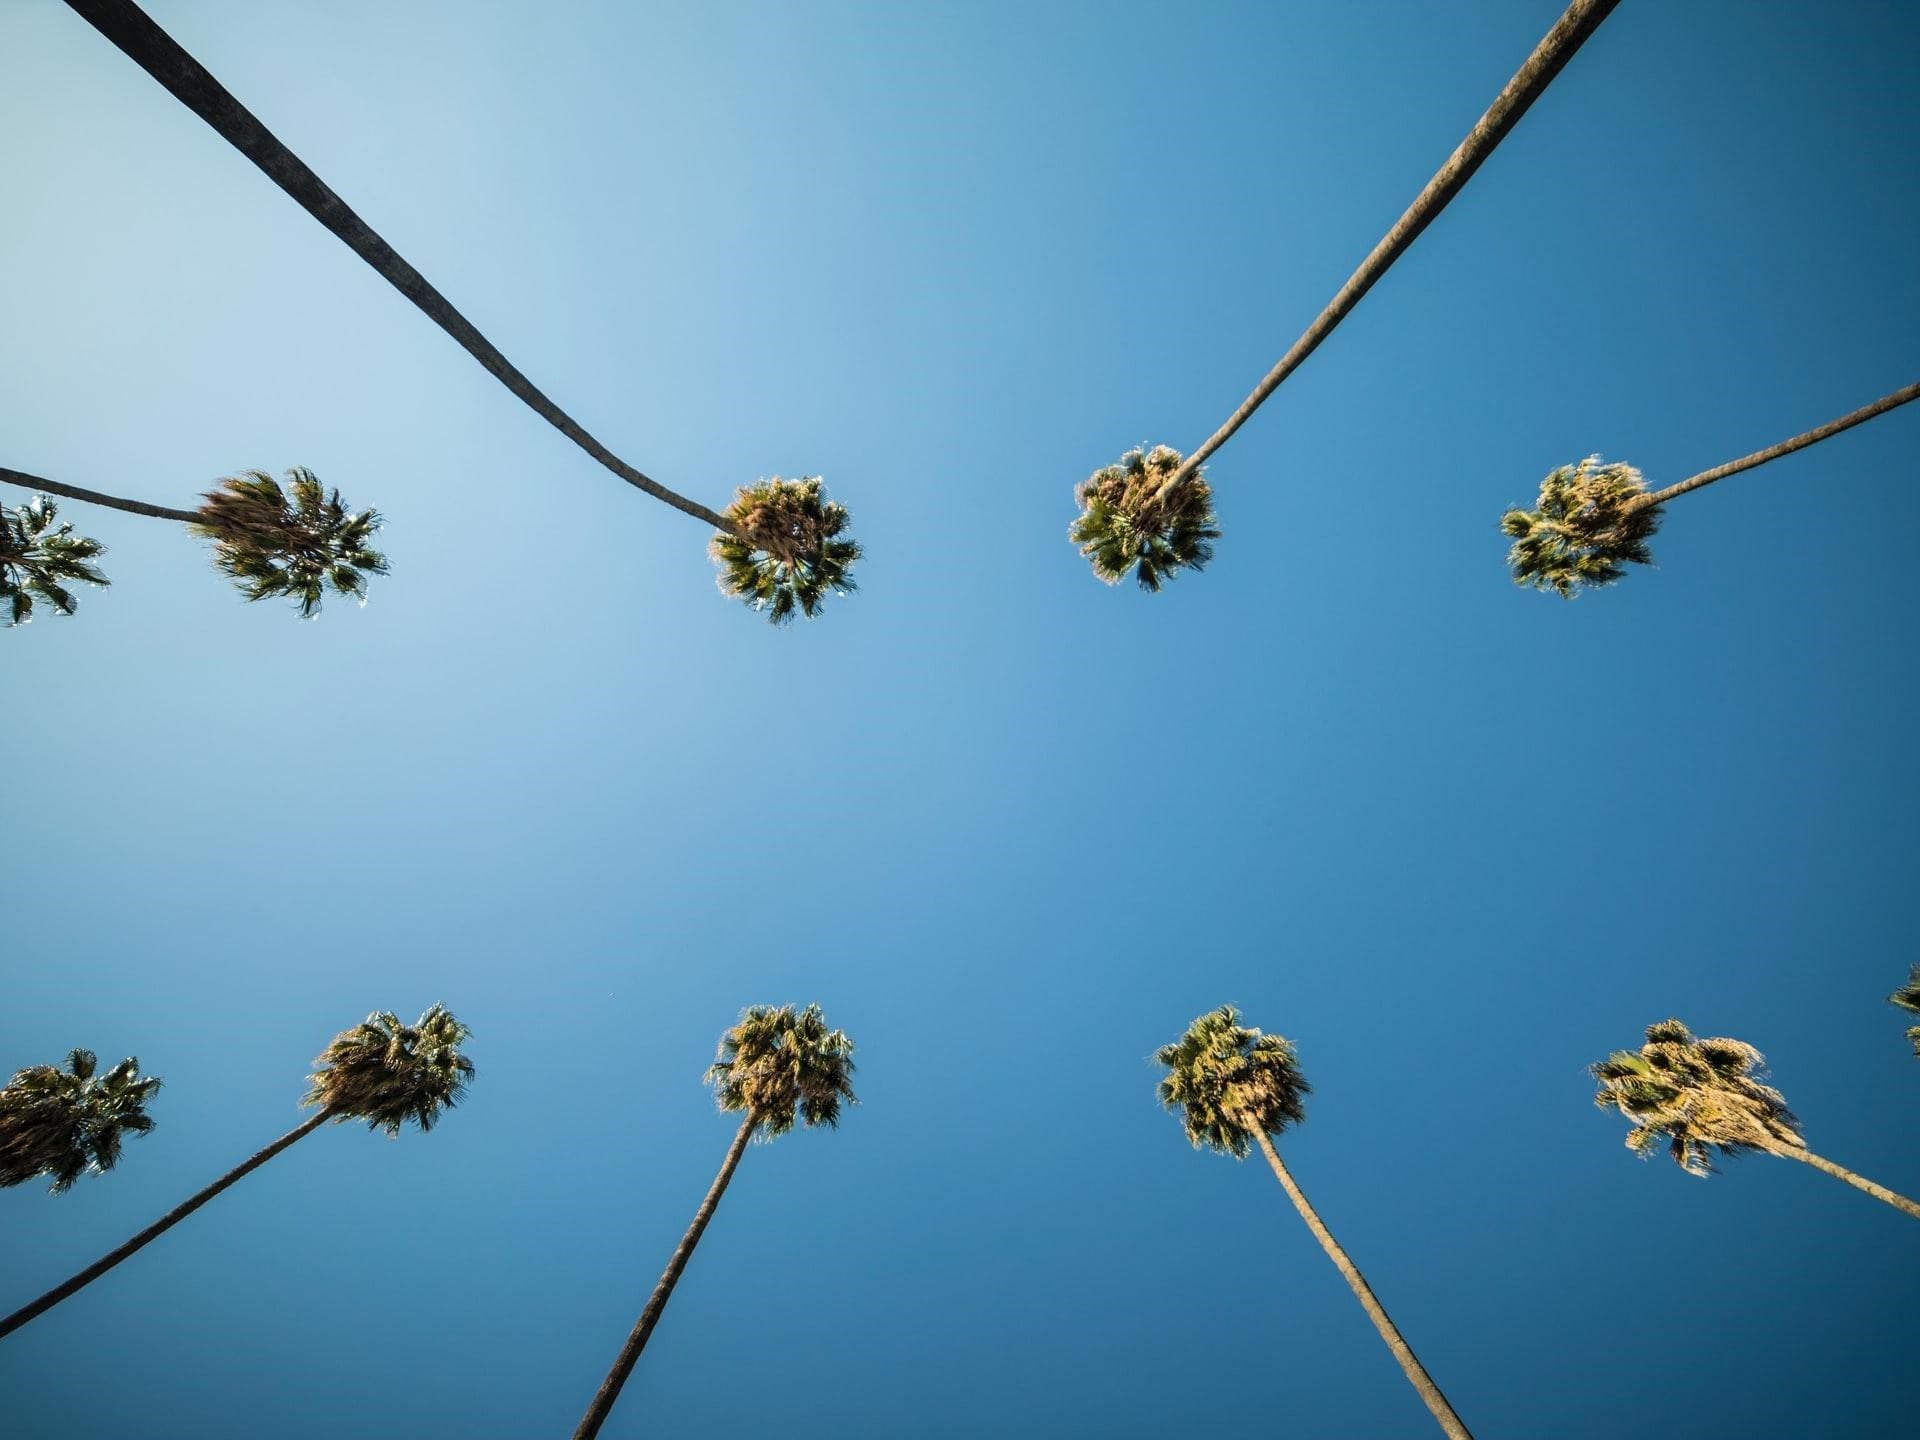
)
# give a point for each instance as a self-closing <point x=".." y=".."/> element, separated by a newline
<point x="1106" y="532"/>
<point x="1594" y="519"/>
<point x="381" y="1071"/>
<point x="1907" y="997"/>
<point x="162" y="57"/>
<point x="271" y="541"/>
<point x="786" y="548"/>
<point x="1705" y="1096"/>
<point x="67" y="1123"/>
<point x="775" y="1066"/>
<point x="1234" y="1087"/>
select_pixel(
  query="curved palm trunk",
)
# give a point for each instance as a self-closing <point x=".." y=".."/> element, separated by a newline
<point x="1785" y="447"/>
<point x="95" y="497"/>
<point x="1859" y="1182"/>
<point x="156" y="52"/>
<point x="609" y="1390"/>
<point x="1409" y="1362"/>
<point x="159" y="1227"/>
<point x="1529" y="82"/>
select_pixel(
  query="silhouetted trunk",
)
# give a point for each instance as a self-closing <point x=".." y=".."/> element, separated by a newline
<point x="1859" y="1182"/>
<point x="609" y="1390"/>
<point x="159" y="1227"/>
<point x="156" y="52"/>
<point x="1376" y="1312"/>
<point x="94" y="497"/>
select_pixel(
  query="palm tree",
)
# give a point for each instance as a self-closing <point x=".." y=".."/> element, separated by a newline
<point x="784" y="550"/>
<point x="1593" y="519"/>
<point x="271" y="541"/>
<point x="381" y="1071"/>
<point x="1233" y="1086"/>
<point x="1907" y="997"/>
<point x="1130" y="519"/>
<point x="1529" y="82"/>
<point x="774" y="1067"/>
<point x="162" y="57"/>
<point x="67" y="1123"/>
<point x="1705" y="1095"/>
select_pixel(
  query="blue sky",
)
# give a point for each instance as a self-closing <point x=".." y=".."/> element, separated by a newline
<point x="1012" y="829"/>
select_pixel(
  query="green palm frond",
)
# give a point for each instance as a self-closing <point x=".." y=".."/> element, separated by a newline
<point x="1224" y="1078"/>
<point x="787" y="550"/>
<point x="1703" y="1095"/>
<point x="36" y="557"/>
<point x="1130" y="519"/>
<point x="294" y="542"/>
<point x="779" y="1063"/>
<point x="67" y="1123"/>
<point x="387" y="1073"/>
<point x="1907" y="997"/>
<point x="1585" y="531"/>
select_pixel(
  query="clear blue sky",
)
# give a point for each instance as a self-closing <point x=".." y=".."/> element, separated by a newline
<point x="1010" y="828"/>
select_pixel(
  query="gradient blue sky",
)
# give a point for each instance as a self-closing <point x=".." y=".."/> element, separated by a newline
<point x="1010" y="828"/>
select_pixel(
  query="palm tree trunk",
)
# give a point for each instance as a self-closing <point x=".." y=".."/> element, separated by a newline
<point x="609" y="1390"/>
<point x="94" y="497"/>
<point x="159" y="1227"/>
<point x="1785" y="447"/>
<point x="1376" y="1312"/>
<point x="156" y="52"/>
<point x="1529" y="82"/>
<point x="1859" y="1182"/>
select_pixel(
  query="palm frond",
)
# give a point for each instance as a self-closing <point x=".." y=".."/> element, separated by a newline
<point x="779" y="1064"/>
<point x="36" y="556"/>
<point x="1703" y="1094"/>
<point x="787" y="551"/>
<point x="1225" y="1080"/>
<point x="67" y="1123"/>
<point x="1585" y="530"/>
<point x="1133" y="519"/>
<point x="388" y="1073"/>
<point x="295" y="542"/>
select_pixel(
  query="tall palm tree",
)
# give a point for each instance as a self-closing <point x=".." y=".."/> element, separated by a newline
<point x="1593" y="519"/>
<point x="1105" y="534"/>
<point x="1907" y="997"/>
<point x="381" y="1071"/>
<point x="775" y="1066"/>
<point x="1233" y="1087"/>
<point x="162" y="57"/>
<point x="786" y="548"/>
<point x="297" y="541"/>
<point x="67" y="1123"/>
<point x="1705" y="1095"/>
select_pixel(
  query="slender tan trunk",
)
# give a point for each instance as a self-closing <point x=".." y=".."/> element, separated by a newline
<point x="156" y="52"/>
<point x="1859" y="1182"/>
<point x="1528" y="84"/>
<point x="1409" y="1362"/>
<point x="159" y="1227"/>
<point x="1785" y="447"/>
<point x="609" y="1390"/>
<point x="95" y="497"/>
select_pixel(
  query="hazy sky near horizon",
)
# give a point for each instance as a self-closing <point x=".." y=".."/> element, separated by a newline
<point x="1012" y="829"/>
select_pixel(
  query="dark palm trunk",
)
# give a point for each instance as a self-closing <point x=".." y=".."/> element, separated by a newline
<point x="1549" y="57"/>
<point x="609" y="1390"/>
<point x="1785" y="447"/>
<point x="156" y="52"/>
<point x="1859" y="1182"/>
<point x="94" y="497"/>
<point x="159" y="1227"/>
<point x="1376" y="1312"/>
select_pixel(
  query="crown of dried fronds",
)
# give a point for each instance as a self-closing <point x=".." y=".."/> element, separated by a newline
<point x="1130" y="519"/>
<point x="776" y="1064"/>
<point x="1907" y="997"/>
<point x="36" y="557"/>
<point x="66" y="1123"/>
<point x="294" y="542"/>
<point x="1585" y="531"/>
<point x="786" y="551"/>
<point x="1703" y="1095"/>
<point x="386" y="1073"/>
<point x="1224" y="1078"/>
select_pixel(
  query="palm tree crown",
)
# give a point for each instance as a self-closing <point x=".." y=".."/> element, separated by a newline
<point x="786" y="550"/>
<point x="1590" y="524"/>
<point x="36" y="556"/>
<point x="387" y="1073"/>
<point x="66" y="1123"/>
<point x="275" y="543"/>
<point x="1703" y="1095"/>
<point x="779" y="1063"/>
<point x="1907" y="997"/>
<point x="1141" y="515"/>
<point x="1224" y="1078"/>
